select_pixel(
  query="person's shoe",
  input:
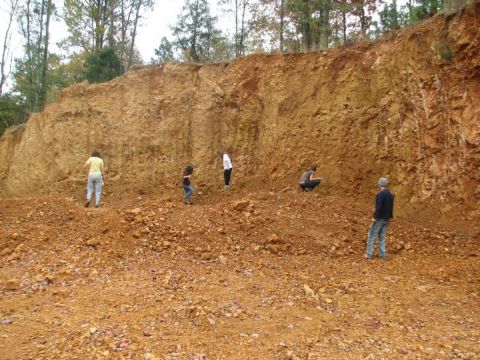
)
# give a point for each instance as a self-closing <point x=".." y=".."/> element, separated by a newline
<point x="97" y="206"/>
<point x="385" y="258"/>
<point x="186" y="202"/>
<point x="368" y="257"/>
<point x="87" y="203"/>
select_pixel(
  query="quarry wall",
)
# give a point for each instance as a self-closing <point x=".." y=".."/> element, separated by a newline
<point x="406" y="107"/>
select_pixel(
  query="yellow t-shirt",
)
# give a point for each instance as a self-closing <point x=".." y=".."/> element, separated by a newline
<point x="96" y="165"/>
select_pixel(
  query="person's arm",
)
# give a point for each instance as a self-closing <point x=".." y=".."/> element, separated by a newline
<point x="87" y="163"/>
<point x="102" y="169"/>
<point x="378" y="206"/>
<point x="312" y="178"/>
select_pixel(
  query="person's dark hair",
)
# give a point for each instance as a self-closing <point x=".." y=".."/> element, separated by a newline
<point x="95" y="153"/>
<point x="189" y="169"/>
<point x="313" y="167"/>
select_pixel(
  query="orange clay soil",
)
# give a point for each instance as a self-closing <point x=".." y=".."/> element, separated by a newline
<point x="237" y="275"/>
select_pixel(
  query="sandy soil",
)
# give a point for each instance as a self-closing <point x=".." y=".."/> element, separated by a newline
<point x="234" y="276"/>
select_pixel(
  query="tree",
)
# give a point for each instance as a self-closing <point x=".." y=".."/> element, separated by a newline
<point x="43" y="77"/>
<point x="240" y="8"/>
<point x="312" y="19"/>
<point x="424" y="9"/>
<point x="95" y="24"/>
<point x="364" y="10"/>
<point x="31" y="70"/>
<point x="282" y="25"/>
<point x="196" y="34"/>
<point x="12" y="9"/>
<point x="266" y="25"/>
<point x="103" y="65"/>
<point x="137" y="5"/>
<point x="343" y="7"/>
<point x="164" y="52"/>
<point x="389" y="17"/>
<point x="12" y="111"/>
<point x="87" y="22"/>
<point x="454" y="5"/>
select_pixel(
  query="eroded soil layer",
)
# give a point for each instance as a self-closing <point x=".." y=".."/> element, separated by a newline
<point x="234" y="276"/>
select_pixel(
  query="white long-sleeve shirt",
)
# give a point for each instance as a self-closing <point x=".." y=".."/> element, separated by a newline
<point x="227" y="163"/>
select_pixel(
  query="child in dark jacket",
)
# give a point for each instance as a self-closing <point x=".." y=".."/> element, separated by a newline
<point x="187" y="187"/>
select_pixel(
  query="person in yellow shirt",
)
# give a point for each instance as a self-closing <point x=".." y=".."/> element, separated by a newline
<point x="95" y="178"/>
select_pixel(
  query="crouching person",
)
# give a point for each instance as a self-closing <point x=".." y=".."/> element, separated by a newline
<point x="307" y="181"/>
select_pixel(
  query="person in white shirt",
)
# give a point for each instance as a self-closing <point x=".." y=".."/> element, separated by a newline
<point x="227" y="169"/>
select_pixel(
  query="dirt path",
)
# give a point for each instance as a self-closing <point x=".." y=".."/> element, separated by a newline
<point x="275" y="277"/>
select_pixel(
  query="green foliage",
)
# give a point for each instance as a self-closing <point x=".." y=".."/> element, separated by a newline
<point x="390" y="17"/>
<point x="425" y="9"/>
<point x="31" y="70"/>
<point x="164" y="52"/>
<point x="12" y="111"/>
<point x="196" y="35"/>
<point x="454" y="5"/>
<point x="312" y="20"/>
<point x="444" y="52"/>
<point x="94" y="25"/>
<point x="102" y="66"/>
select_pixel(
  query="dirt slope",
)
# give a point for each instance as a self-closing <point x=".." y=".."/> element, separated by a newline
<point x="276" y="276"/>
<point x="406" y="107"/>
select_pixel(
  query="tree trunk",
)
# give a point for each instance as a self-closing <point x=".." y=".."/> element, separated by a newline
<point x="306" y="28"/>
<point x="282" y="16"/>
<point x="6" y="44"/>
<point x="111" y="30"/>
<point x="193" y="46"/>
<point x="363" y="22"/>
<point x="236" y="29"/>
<point x="325" y="25"/>
<point x="242" y="29"/>
<point x="134" y="34"/>
<point x="43" y="81"/>
<point x="30" y="101"/>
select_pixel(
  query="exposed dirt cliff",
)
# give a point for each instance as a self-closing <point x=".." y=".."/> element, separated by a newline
<point x="406" y="107"/>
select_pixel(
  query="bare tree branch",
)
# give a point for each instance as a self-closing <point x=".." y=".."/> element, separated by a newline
<point x="13" y="6"/>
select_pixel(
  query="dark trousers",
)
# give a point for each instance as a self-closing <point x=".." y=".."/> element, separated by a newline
<point x="226" y="176"/>
<point x="310" y="185"/>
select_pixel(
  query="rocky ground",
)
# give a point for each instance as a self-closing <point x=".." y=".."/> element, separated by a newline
<point x="234" y="276"/>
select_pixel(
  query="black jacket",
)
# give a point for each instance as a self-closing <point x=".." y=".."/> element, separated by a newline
<point x="384" y="205"/>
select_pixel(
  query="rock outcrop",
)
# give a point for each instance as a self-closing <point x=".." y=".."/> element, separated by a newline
<point x="405" y="107"/>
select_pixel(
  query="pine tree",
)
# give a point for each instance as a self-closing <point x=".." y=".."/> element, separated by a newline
<point x="390" y="17"/>
<point x="164" y="52"/>
<point x="196" y="34"/>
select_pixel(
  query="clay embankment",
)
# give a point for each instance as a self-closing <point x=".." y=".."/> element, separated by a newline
<point x="406" y="107"/>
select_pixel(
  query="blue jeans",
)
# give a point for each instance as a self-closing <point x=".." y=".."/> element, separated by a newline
<point x="310" y="185"/>
<point x="377" y="229"/>
<point x="95" y="183"/>
<point x="188" y="192"/>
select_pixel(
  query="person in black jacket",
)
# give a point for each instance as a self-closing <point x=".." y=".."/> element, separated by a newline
<point x="187" y="187"/>
<point x="381" y="219"/>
